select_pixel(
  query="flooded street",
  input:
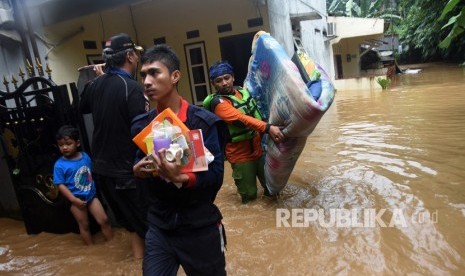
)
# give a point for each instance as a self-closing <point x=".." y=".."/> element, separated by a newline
<point x="378" y="190"/>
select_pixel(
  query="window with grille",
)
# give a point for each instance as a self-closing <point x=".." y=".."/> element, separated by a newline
<point x="198" y="71"/>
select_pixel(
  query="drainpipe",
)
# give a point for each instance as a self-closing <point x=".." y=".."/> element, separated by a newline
<point x="20" y="28"/>
<point x="32" y="37"/>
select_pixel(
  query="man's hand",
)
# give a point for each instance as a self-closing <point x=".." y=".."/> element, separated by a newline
<point x="276" y="134"/>
<point x="147" y="167"/>
<point x="171" y="171"/>
<point x="98" y="68"/>
<point x="153" y="166"/>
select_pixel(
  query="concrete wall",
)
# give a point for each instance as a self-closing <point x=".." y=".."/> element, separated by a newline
<point x="352" y="26"/>
<point x="350" y="33"/>
<point x="146" y="21"/>
<point x="280" y="23"/>
<point x="361" y="83"/>
<point x="317" y="44"/>
<point x="312" y="30"/>
<point x="11" y="58"/>
<point x="61" y="45"/>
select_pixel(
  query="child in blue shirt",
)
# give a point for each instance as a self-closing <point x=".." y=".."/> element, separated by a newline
<point x="72" y="175"/>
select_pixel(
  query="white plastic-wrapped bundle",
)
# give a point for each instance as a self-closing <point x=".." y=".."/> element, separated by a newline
<point x="284" y="99"/>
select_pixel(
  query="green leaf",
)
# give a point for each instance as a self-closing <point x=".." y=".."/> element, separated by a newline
<point x="357" y="10"/>
<point x="334" y="5"/>
<point x="459" y="22"/>
<point x="349" y="8"/>
<point x="384" y="83"/>
<point x="461" y="17"/>
<point x="446" y="42"/>
<point x="451" y="21"/>
<point x="449" y="6"/>
<point x="452" y="34"/>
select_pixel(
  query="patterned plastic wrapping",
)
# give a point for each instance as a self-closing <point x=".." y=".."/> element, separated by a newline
<point x="284" y="99"/>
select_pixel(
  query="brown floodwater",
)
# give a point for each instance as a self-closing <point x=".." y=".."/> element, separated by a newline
<point x="380" y="181"/>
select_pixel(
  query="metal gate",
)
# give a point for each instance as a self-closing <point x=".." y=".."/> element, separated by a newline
<point x="30" y="115"/>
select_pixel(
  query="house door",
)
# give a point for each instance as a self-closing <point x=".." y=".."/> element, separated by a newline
<point x="338" y="60"/>
<point x="236" y="50"/>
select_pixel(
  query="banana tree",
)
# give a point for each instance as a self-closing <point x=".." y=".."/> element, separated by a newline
<point x="358" y="8"/>
<point x="423" y="28"/>
<point x="457" y="22"/>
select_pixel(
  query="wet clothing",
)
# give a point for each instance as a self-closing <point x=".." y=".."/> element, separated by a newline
<point x="184" y="211"/>
<point x="202" y="255"/>
<point x="114" y="99"/>
<point x="245" y="104"/>
<point x="244" y="174"/>
<point x="247" y="152"/>
<point x="127" y="205"/>
<point x="242" y="151"/>
<point x="76" y="175"/>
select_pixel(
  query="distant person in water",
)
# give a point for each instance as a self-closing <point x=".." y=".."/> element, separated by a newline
<point x="72" y="175"/>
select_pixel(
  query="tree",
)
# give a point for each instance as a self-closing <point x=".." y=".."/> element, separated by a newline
<point x="360" y="8"/>
<point x="420" y="24"/>
<point x="457" y="21"/>
<point x="420" y="29"/>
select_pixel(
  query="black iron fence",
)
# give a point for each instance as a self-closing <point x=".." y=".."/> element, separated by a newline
<point x="30" y="115"/>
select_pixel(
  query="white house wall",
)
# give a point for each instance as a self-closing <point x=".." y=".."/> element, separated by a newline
<point x="350" y="33"/>
<point x="11" y="58"/>
<point x="146" y="21"/>
<point x="280" y="23"/>
<point x="353" y="26"/>
<point x="316" y="43"/>
<point x="312" y="31"/>
<point x="171" y="19"/>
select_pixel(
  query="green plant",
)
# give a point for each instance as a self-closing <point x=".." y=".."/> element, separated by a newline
<point x="384" y="83"/>
<point x="457" y="21"/>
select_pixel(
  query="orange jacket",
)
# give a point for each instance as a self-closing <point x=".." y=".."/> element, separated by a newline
<point x="245" y="150"/>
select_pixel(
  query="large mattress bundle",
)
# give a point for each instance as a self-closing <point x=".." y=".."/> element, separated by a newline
<point x="285" y="99"/>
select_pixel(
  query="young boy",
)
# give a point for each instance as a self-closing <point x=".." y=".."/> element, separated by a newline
<point x="72" y="175"/>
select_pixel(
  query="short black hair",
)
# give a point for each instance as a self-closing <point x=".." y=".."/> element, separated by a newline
<point x="164" y="54"/>
<point x="67" y="131"/>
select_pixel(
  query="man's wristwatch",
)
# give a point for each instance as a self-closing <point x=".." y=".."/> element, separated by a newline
<point x="267" y="129"/>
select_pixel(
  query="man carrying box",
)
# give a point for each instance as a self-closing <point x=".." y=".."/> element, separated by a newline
<point x="184" y="224"/>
